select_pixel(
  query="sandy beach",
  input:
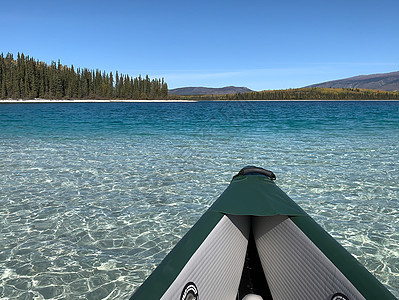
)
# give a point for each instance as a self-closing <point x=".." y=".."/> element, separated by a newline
<point x="84" y="101"/>
<point x="32" y="101"/>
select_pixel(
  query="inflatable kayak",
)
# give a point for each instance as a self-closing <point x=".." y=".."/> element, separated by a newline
<point x="255" y="242"/>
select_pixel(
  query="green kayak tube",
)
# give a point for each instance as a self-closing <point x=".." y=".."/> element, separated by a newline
<point x="255" y="243"/>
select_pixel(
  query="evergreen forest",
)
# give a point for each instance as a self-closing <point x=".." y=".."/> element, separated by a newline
<point x="27" y="78"/>
<point x="314" y="93"/>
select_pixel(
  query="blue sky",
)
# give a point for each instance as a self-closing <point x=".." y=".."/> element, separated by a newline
<point x="258" y="44"/>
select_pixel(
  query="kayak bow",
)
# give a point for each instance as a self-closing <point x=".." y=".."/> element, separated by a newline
<point x="255" y="242"/>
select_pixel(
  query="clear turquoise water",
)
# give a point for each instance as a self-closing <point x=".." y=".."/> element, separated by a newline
<point x="93" y="196"/>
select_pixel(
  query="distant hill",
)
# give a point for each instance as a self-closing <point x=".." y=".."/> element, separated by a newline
<point x="383" y="82"/>
<point x="191" y="91"/>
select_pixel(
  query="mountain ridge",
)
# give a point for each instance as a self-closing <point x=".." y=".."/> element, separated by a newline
<point x="193" y="91"/>
<point x="380" y="81"/>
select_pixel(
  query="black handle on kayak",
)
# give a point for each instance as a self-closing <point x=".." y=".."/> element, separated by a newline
<point x="256" y="170"/>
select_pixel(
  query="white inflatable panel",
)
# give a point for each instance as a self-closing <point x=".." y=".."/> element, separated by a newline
<point x="216" y="267"/>
<point x="294" y="267"/>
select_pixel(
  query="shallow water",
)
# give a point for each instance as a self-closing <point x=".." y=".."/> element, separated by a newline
<point x="93" y="196"/>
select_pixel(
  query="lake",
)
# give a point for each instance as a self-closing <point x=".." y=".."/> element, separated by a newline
<point x="94" y="195"/>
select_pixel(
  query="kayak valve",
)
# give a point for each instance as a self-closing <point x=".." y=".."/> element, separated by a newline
<point x="252" y="297"/>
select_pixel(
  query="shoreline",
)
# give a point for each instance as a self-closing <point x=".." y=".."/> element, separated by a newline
<point x="32" y="101"/>
<point x="86" y="101"/>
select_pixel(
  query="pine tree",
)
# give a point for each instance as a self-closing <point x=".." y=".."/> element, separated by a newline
<point x="111" y="86"/>
<point x="164" y="89"/>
